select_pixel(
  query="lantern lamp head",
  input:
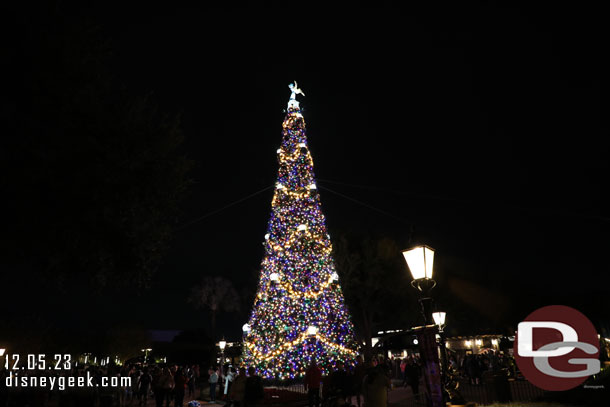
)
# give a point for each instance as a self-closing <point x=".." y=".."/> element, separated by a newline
<point x="420" y="260"/>
<point x="439" y="318"/>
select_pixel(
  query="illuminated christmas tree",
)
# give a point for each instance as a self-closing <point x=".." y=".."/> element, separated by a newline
<point x="299" y="311"/>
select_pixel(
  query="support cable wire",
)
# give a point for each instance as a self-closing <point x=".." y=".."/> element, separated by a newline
<point x="533" y="211"/>
<point x="224" y="207"/>
<point x="366" y="205"/>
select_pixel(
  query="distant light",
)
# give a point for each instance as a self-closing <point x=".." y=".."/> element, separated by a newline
<point x="478" y="342"/>
<point x="415" y="342"/>
<point x="380" y="333"/>
<point x="494" y="342"/>
<point x="302" y="227"/>
<point x="468" y="343"/>
<point x="222" y="344"/>
<point x="2" y="351"/>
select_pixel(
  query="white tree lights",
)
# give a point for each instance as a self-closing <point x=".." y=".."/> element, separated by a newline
<point x="299" y="311"/>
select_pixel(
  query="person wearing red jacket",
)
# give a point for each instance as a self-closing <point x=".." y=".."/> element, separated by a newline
<point x="313" y="377"/>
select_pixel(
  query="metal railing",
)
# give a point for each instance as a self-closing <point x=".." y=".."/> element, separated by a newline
<point x="489" y="392"/>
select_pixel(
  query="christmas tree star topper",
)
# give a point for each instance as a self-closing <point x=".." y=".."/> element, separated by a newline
<point x="295" y="90"/>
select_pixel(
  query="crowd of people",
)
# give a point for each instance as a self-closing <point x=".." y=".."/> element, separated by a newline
<point x="363" y="383"/>
<point x="236" y="386"/>
<point x="475" y="367"/>
<point x="169" y="386"/>
<point x="366" y="383"/>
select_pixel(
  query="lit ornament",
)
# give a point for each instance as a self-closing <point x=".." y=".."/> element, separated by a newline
<point x="312" y="330"/>
<point x="246" y="328"/>
<point x="274" y="277"/>
<point x="313" y="186"/>
<point x="267" y="236"/>
<point x="301" y="228"/>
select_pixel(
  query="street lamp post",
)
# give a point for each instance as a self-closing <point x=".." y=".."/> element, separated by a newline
<point x="222" y="344"/>
<point x="146" y="354"/>
<point x="439" y="319"/>
<point x="420" y="260"/>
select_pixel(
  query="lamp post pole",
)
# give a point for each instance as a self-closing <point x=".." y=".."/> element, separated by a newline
<point x="222" y="344"/>
<point x="420" y="260"/>
<point x="439" y="319"/>
<point x="146" y="354"/>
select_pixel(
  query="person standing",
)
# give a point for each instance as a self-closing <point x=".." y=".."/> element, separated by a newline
<point x="228" y="381"/>
<point x="403" y="374"/>
<point x="191" y="380"/>
<point x="313" y="377"/>
<point x="254" y="388"/>
<point x="180" y="383"/>
<point x="375" y="386"/>
<point x="238" y="389"/>
<point x="165" y="386"/>
<point x="412" y="375"/>
<point x="144" y="383"/>
<point x="358" y="376"/>
<point x="339" y="383"/>
<point x="213" y="380"/>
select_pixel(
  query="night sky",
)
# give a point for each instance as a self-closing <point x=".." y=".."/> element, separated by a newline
<point x="474" y="129"/>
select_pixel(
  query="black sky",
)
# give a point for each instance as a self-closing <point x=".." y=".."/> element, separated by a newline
<point x="478" y="124"/>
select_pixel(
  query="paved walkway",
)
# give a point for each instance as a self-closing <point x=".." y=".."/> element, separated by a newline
<point x="151" y="403"/>
<point x="401" y="396"/>
<point x="187" y="399"/>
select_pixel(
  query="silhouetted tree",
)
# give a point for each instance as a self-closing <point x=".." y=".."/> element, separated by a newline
<point x="215" y="294"/>
<point x="375" y="284"/>
<point x="93" y="173"/>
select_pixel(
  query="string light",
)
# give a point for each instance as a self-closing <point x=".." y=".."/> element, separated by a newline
<point x="299" y="312"/>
